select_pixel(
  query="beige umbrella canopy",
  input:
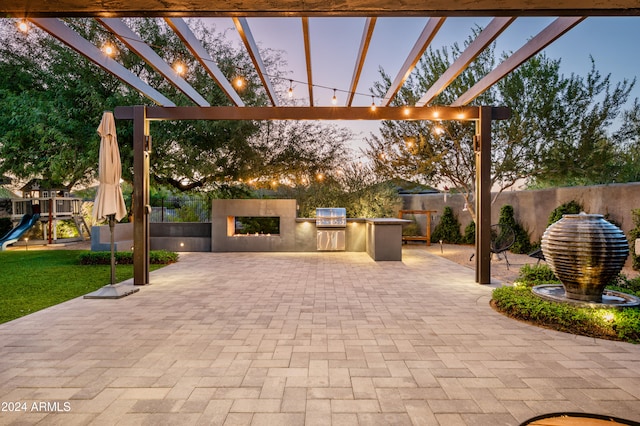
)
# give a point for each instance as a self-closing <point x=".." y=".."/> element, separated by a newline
<point x="109" y="199"/>
<point x="109" y="202"/>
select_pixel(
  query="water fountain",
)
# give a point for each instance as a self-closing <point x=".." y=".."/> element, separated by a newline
<point x="585" y="252"/>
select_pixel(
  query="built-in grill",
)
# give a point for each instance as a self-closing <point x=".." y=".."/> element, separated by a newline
<point x="331" y="223"/>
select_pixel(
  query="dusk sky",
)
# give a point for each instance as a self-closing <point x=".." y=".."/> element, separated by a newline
<point x="612" y="41"/>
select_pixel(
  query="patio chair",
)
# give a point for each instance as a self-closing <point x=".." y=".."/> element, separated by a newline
<point x="502" y="238"/>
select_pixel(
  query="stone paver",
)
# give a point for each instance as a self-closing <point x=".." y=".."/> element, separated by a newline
<point x="304" y="338"/>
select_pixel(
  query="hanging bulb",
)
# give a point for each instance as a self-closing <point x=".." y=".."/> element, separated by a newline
<point x="108" y="48"/>
<point x="179" y="67"/>
<point x="239" y="82"/>
<point x="334" y="100"/>
<point x="373" y="104"/>
<point x="23" y="25"/>
<point x="290" y="88"/>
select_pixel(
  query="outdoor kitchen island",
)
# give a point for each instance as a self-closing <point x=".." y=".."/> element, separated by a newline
<point x="381" y="238"/>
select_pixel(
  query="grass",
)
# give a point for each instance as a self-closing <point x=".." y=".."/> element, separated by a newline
<point x="34" y="280"/>
<point x="520" y="303"/>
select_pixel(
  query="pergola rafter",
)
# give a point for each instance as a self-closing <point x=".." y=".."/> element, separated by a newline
<point x="245" y="34"/>
<point x="425" y="38"/>
<point x="369" y="25"/>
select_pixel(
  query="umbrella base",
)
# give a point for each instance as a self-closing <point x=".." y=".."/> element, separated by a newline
<point x="115" y="291"/>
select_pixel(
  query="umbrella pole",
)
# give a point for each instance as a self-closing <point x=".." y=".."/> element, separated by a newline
<point x="112" y="221"/>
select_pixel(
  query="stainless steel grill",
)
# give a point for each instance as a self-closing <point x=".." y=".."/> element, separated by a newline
<point x="331" y="226"/>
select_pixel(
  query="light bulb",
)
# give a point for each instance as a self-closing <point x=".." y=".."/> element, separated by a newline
<point x="373" y="104"/>
<point x="291" y="88"/>
<point x="23" y="25"/>
<point x="108" y="49"/>
<point x="334" y="100"/>
<point x="239" y="82"/>
<point x="179" y="68"/>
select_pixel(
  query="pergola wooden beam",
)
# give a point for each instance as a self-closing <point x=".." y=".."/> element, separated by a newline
<point x="426" y="36"/>
<point x="477" y="46"/>
<point x="533" y="46"/>
<point x="367" y="33"/>
<point x="142" y="49"/>
<point x="307" y="57"/>
<point x="182" y="30"/>
<point x="468" y="113"/>
<point x="62" y="32"/>
<point x="289" y="8"/>
<point x="247" y="38"/>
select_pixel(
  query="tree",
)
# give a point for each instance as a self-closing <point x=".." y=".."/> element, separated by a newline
<point x="550" y="114"/>
<point x="627" y="139"/>
<point x="51" y="111"/>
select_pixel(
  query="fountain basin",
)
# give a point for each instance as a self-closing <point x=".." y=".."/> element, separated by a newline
<point x="610" y="298"/>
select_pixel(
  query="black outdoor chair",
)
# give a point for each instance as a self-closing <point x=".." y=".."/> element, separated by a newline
<point x="502" y="238"/>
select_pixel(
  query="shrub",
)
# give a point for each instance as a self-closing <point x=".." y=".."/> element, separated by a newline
<point x="411" y="229"/>
<point x="470" y="233"/>
<point x="156" y="257"/>
<point x="5" y="225"/>
<point x="448" y="230"/>
<point x="532" y="275"/>
<point x="522" y="243"/>
<point x="571" y="207"/>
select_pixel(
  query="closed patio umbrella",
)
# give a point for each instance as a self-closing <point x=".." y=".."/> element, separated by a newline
<point x="109" y="202"/>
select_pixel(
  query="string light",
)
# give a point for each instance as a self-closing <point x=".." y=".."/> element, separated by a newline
<point x="179" y="67"/>
<point x="109" y="48"/>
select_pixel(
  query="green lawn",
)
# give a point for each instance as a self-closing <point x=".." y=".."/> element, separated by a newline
<point x="36" y="279"/>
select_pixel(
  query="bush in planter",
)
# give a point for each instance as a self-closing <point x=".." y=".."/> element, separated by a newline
<point x="522" y="242"/>
<point x="448" y="229"/>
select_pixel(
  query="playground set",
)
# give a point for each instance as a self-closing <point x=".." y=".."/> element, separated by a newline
<point x="48" y="204"/>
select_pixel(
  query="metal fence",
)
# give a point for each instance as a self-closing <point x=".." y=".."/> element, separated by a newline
<point x="180" y="209"/>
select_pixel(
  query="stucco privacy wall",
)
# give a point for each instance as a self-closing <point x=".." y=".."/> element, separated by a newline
<point x="532" y="208"/>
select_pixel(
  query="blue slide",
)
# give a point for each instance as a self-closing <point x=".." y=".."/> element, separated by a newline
<point x="12" y="236"/>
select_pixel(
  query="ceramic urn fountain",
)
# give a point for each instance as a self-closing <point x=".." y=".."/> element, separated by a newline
<point x="585" y="252"/>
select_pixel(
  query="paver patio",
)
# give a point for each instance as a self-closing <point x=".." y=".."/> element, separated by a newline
<point x="305" y="338"/>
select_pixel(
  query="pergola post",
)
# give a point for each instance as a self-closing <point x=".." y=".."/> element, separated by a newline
<point x="483" y="195"/>
<point x="141" y="148"/>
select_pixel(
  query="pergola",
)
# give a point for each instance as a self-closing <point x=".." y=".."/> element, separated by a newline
<point x="569" y="13"/>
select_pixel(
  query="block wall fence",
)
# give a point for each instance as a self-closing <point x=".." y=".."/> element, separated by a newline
<point x="532" y="208"/>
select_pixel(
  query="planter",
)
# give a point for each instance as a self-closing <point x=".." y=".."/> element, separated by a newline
<point x="585" y="252"/>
